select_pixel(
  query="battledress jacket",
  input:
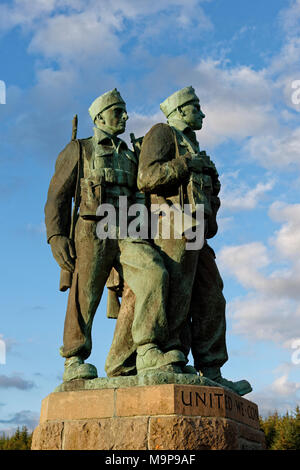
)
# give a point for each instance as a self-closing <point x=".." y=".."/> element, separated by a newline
<point x="163" y="169"/>
<point x="72" y="165"/>
<point x="61" y="191"/>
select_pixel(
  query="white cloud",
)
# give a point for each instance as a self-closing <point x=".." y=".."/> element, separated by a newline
<point x="290" y="18"/>
<point x="244" y="262"/>
<point x="140" y="125"/>
<point x="281" y="395"/>
<point x="68" y="30"/>
<point x="240" y="102"/>
<point x="283" y="387"/>
<point x="243" y="104"/>
<point x="78" y="37"/>
<point x="236" y="100"/>
<point x="286" y="64"/>
<point x="287" y="239"/>
<point x="24" y="12"/>
<point x="265" y="318"/>
<point x="269" y="400"/>
<point x="276" y="150"/>
<point x="270" y="310"/>
<point x="241" y="197"/>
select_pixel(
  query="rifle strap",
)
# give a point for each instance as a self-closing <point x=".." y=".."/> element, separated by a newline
<point x="177" y="155"/>
<point x="77" y="191"/>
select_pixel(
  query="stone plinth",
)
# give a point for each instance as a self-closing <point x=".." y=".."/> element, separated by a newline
<point x="154" y="417"/>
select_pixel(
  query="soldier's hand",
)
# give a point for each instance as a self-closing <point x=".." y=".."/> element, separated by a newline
<point x="63" y="251"/>
<point x="195" y="164"/>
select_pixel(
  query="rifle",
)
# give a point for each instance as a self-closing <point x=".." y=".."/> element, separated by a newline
<point x="65" y="281"/>
<point x="114" y="283"/>
<point x="136" y="144"/>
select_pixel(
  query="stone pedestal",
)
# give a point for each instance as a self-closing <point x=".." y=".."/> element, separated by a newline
<point x="152" y="417"/>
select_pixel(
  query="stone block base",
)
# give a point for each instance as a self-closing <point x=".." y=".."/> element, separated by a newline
<point x="160" y="417"/>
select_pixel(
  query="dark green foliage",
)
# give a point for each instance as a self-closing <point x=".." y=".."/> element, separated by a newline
<point x="21" y="440"/>
<point x="282" y="432"/>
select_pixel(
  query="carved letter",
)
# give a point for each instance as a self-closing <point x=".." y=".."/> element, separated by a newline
<point x="182" y="398"/>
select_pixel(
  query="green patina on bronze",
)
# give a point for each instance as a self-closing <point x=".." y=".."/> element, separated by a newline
<point x="104" y="168"/>
<point x="173" y="170"/>
<point x="171" y="298"/>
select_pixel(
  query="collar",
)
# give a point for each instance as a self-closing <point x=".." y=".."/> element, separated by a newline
<point x="178" y="124"/>
<point x="104" y="138"/>
<point x="184" y="128"/>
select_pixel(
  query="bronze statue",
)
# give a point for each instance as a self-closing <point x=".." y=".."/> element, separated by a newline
<point x="173" y="170"/>
<point x="95" y="171"/>
<point x="172" y="299"/>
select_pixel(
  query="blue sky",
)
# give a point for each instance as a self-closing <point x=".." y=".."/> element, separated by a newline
<point x="242" y="58"/>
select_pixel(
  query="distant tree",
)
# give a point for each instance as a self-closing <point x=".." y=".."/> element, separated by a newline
<point x="288" y="432"/>
<point x="268" y="425"/>
<point x="20" y="440"/>
<point x="282" y="432"/>
<point x="3" y="440"/>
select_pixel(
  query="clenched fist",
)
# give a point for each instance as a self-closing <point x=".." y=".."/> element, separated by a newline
<point x="63" y="251"/>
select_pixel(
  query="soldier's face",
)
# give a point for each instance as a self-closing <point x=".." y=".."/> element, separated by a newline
<point x="192" y="115"/>
<point x="114" y="119"/>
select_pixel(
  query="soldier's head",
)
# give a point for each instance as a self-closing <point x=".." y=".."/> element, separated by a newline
<point x="108" y="112"/>
<point x="184" y="105"/>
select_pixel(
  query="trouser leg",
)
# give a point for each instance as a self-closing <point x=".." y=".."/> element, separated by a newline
<point x="143" y="270"/>
<point x="181" y="266"/>
<point x="122" y="354"/>
<point x="207" y="314"/>
<point x="94" y="259"/>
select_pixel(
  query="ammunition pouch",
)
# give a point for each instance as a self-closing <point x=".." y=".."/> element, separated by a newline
<point x="92" y="195"/>
<point x="114" y="176"/>
<point x="199" y="191"/>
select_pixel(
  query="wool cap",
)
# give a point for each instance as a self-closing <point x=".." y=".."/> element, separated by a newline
<point x="105" y="101"/>
<point x="179" y="98"/>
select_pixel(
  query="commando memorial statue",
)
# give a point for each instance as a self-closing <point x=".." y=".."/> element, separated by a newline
<point x="101" y="169"/>
<point x="164" y="287"/>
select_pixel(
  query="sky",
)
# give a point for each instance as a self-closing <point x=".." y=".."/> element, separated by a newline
<point x="243" y="59"/>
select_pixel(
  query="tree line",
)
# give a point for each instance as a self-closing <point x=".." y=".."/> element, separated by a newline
<point x="20" y="440"/>
<point x="282" y="432"/>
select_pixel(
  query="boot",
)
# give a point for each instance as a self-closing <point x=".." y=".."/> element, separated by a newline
<point x="149" y="357"/>
<point x="188" y="369"/>
<point x="241" y="387"/>
<point x="76" y="369"/>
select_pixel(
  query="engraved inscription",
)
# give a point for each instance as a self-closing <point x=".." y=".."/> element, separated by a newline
<point x="228" y="402"/>
<point x="242" y="408"/>
<point x="209" y="399"/>
<point x="232" y="404"/>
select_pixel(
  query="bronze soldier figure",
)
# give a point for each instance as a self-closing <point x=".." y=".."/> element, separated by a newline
<point x="102" y="168"/>
<point x="172" y="169"/>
